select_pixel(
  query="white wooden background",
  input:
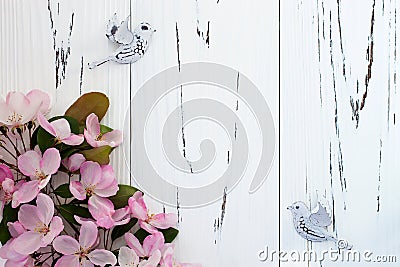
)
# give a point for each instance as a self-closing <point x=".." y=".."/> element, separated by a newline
<point x="326" y="68"/>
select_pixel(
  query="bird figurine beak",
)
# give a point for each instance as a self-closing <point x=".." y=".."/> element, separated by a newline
<point x="289" y="208"/>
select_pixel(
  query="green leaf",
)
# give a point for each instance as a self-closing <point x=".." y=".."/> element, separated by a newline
<point x="68" y="211"/>
<point x="169" y="234"/>
<point x="9" y="215"/>
<point x="94" y="102"/>
<point x="141" y="235"/>
<point x="120" y="200"/>
<point x="105" y="129"/>
<point x="63" y="191"/>
<point x="98" y="154"/>
<point x="120" y="230"/>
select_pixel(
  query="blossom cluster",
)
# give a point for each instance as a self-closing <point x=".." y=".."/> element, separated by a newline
<point x="60" y="202"/>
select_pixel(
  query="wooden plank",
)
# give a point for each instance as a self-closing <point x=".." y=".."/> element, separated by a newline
<point x="338" y="92"/>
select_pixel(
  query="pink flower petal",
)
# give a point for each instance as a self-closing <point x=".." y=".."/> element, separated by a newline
<point x="102" y="257"/>
<point x="16" y="228"/>
<point x="82" y="220"/>
<point x="7" y="252"/>
<point x="68" y="261"/>
<point x="62" y="128"/>
<point x="29" y="163"/>
<point x="121" y="214"/>
<point x="91" y="139"/>
<point x="50" y="162"/>
<point x="164" y="220"/>
<point x="56" y="227"/>
<point x="152" y="243"/>
<point x="91" y="173"/>
<point x="88" y="234"/>
<point x="42" y="183"/>
<point x="110" y="190"/>
<point x="46" y="125"/>
<point x="154" y="259"/>
<point x="113" y="138"/>
<point x="101" y="210"/>
<point x="26" y="193"/>
<point x="147" y="227"/>
<point x="5" y="172"/>
<point x="21" y="105"/>
<point x="5" y="112"/>
<point x="66" y="245"/>
<point x="29" y="217"/>
<point x="107" y="177"/>
<point x="93" y="125"/>
<point x="43" y="97"/>
<point x="137" y="206"/>
<point x="73" y="140"/>
<point x="45" y="208"/>
<point x="127" y="256"/>
<point x="74" y="162"/>
<point x="86" y="263"/>
<point x="77" y="190"/>
<point x="27" y="243"/>
<point x="8" y="185"/>
<point x="134" y="244"/>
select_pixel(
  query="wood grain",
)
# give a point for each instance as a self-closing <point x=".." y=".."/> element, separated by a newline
<point x="336" y="103"/>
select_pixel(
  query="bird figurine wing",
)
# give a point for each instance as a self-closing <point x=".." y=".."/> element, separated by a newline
<point x="119" y="32"/>
<point x="320" y="217"/>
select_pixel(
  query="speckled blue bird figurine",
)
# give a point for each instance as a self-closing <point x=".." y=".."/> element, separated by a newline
<point x="133" y="45"/>
<point x="312" y="226"/>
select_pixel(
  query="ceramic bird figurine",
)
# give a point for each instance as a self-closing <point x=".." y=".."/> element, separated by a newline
<point x="312" y="226"/>
<point x="133" y="45"/>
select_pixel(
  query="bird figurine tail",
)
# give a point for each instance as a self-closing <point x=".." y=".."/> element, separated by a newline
<point x="98" y="63"/>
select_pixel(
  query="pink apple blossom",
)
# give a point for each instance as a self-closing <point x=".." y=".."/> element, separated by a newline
<point x="147" y="221"/>
<point x="18" y="109"/>
<point x="22" y="192"/>
<point x="95" y="138"/>
<point x="95" y="180"/>
<point x="97" y="183"/>
<point x="82" y="253"/>
<point x="38" y="168"/>
<point x="40" y="224"/>
<point x="61" y="130"/>
<point x="151" y="244"/>
<point x="102" y="210"/>
<point x="128" y="258"/>
<point x="74" y="162"/>
<point x="168" y="259"/>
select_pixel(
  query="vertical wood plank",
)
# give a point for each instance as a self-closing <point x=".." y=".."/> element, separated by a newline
<point x="338" y="89"/>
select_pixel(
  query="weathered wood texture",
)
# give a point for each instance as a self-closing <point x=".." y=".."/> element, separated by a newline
<point x="48" y="44"/>
<point x="337" y="109"/>
<point x="338" y="120"/>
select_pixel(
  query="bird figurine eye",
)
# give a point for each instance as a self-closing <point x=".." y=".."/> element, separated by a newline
<point x="297" y="207"/>
<point x="145" y="28"/>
